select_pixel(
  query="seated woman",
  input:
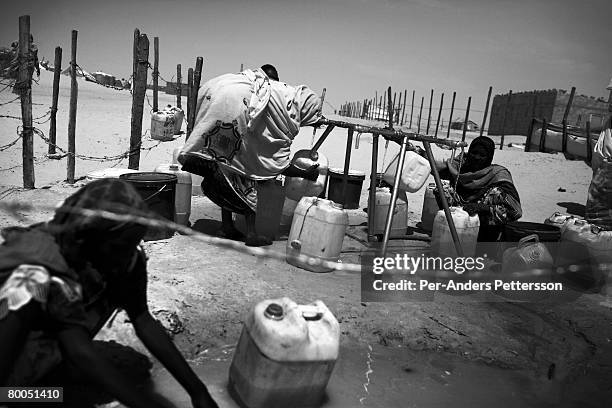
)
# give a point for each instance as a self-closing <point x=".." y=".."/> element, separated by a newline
<point x="483" y="188"/>
<point x="60" y="281"/>
<point x="244" y="126"/>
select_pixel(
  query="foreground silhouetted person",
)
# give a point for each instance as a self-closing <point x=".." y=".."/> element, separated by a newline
<point x="244" y="126"/>
<point x="60" y="282"/>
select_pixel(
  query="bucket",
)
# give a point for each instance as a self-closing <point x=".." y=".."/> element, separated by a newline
<point x="285" y="355"/>
<point x="514" y="231"/>
<point x="270" y="201"/>
<point x="112" y="172"/>
<point x="350" y="200"/>
<point x="158" y="192"/>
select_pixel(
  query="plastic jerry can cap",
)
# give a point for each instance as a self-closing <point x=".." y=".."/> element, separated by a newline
<point x="274" y="311"/>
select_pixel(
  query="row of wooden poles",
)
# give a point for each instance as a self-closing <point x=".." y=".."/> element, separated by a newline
<point x="372" y="109"/>
<point x="139" y="86"/>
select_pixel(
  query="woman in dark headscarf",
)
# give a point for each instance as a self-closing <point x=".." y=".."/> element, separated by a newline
<point x="60" y="281"/>
<point x="483" y="188"/>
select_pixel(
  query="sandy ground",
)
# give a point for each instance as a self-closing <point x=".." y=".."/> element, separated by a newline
<point x="201" y="293"/>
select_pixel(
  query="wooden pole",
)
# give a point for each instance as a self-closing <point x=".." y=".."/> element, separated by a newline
<point x="568" y="107"/>
<point x="189" y="97"/>
<point x="393" y="110"/>
<point x="197" y="76"/>
<point x="411" y="109"/>
<point x="390" y="108"/>
<point x="466" y="120"/>
<point x="74" y="93"/>
<point x="542" y="145"/>
<point x="241" y="67"/>
<point x="155" y="72"/>
<point x="450" y="118"/>
<point x="429" y="115"/>
<point x="57" y="70"/>
<point x="589" y="142"/>
<point x="25" y="92"/>
<point x="439" y="114"/>
<point x="529" y="132"/>
<point x="486" y="112"/>
<point x="420" y="113"/>
<point x="347" y="163"/>
<point x="503" y="131"/>
<point x="179" y="86"/>
<point x="404" y="108"/>
<point x="140" y="87"/>
<point x="373" y="185"/>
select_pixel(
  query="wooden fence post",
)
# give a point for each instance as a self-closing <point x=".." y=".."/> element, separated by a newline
<point x="390" y="110"/>
<point x="393" y="110"/>
<point x="589" y="143"/>
<point x="450" y="118"/>
<point x="155" y="72"/>
<point x="420" y="113"/>
<point x="189" y="97"/>
<point x="529" y="132"/>
<point x="57" y="70"/>
<point x="24" y="85"/>
<point x="466" y="120"/>
<point x="503" y="131"/>
<point x="179" y="86"/>
<point x="439" y="114"/>
<point x="411" y="109"/>
<point x="141" y="62"/>
<point x="429" y="115"/>
<point x="486" y="112"/>
<point x="564" y="121"/>
<point x="399" y="109"/>
<point x="404" y="108"/>
<point x="74" y="93"/>
<point x="542" y="145"/>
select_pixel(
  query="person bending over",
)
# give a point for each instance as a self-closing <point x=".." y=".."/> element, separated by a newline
<point x="61" y="280"/>
<point x="244" y="126"/>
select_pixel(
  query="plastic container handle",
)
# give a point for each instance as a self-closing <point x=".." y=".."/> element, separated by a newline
<point x="311" y="313"/>
<point x="525" y="240"/>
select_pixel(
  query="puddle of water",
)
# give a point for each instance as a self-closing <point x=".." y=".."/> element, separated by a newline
<point x="384" y="377"/>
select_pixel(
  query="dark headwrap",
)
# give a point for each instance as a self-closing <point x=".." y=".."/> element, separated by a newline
<point x="72" y="228"/>
<point x="476" y="178"/>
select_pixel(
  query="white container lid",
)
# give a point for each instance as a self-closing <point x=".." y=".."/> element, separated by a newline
<point x="112" y="172"/>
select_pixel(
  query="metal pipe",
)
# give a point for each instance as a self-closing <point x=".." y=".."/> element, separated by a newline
<point x="447" y="212"/>
<point x="373" y="184"/>
<point x="396" y="181"/>
<point x="347" y="163"/>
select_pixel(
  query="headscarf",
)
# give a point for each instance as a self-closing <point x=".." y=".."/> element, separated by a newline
<point x="72" y="229"/>
<point x="475" y="179"/>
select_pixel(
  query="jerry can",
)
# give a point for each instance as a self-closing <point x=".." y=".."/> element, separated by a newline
<point x="297" y="187"/>
<point x="162" y="126"/>
<point x="559" y="219"/>
<point x="317" y="231"/>
<point x="467" y="228"/>
<point x="574" y="256"/>
<point x="414" y="174"/>
<point x="182" y="206"/>
<point x="196" y="181"/>
<point x="529" y="254"/>
<point x="400" y="214"/>
<point x="430" y="208"/>
<point x="285" y="355"/>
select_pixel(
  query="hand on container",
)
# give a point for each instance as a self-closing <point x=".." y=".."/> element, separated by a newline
<point x="312" y="173"/>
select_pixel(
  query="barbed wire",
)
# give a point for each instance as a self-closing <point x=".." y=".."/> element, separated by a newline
<point x="11" y="101"/>
<point x="8" y="145"/>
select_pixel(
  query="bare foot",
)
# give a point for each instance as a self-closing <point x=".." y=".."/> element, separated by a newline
<point x="257" y="241"/>
<point x="230" y="233"/>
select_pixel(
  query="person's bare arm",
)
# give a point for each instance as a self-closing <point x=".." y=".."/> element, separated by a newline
<point x="157" y="341"/>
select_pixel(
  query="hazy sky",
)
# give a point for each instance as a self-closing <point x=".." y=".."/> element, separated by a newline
<point x="350" y="47"/>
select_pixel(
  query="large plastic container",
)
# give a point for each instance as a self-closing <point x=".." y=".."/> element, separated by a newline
<point x="414" y="173"/>
<point x="574" y="257"/>
<point x="467" y="227"/>
<point x="166" y="123"/>
<point x="196" y="181"/>
<point x="317" y="231"/>
<point x="285" y="355"/>
<point x="350" y="200"/>
<point x="182" y="202"/>
<point x="529" y="254"/>
<point x="158" y="192"/>
<point x="400" y="215"/>
<point x="270" y="200"/>
<point x="430" y="208"/>
<point x="297" y="187"/>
